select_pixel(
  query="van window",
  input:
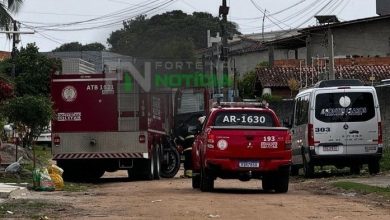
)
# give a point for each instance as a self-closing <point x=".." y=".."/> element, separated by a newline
<point x="244" y="118"/>
<point x="301" y="110"/>
<point x="344" y="107"/>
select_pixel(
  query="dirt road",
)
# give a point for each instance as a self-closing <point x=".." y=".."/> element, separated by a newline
<point x="118" y="198"/>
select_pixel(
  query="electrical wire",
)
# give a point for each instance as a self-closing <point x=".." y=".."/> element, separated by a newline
<point x="106" y="16"/>
<point x="101" y="24"/>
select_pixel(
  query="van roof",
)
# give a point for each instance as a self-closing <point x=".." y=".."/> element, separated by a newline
<point x="309" y="90"/>
<point x="338" y="82"/>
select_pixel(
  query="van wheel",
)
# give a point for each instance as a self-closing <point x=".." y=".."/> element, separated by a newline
<point x="308" y="168"/>
<point x="294" y="170"/>
<point x="373" y="166"/>
<point x="206" y="181"/>
<point x="355" y="169"/>
<point x="282" y="180"/>
<point x="267" y="182"/>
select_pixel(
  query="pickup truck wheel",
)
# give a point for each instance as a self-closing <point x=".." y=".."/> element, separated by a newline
<point x="282" y="180"/>
<point x="373" y="166"/>
<point x="195" y="180"/>
<point x="267" y="183"/>
<point x="206" y="181"/>
<point x="308" y="168"/>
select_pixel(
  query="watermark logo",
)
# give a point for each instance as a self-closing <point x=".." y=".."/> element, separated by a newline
<point x="168" y="75"/>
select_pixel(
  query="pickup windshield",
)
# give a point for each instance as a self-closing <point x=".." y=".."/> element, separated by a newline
<point x="244" y="118"/>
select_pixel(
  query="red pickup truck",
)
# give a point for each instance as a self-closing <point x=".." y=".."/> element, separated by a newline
<point x="242" y="141"/>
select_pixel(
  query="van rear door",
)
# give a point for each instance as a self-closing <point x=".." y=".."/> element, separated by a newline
<point x="361" y="121"/>
<point x="329" y="134"/>
<point x="347" y="116"/>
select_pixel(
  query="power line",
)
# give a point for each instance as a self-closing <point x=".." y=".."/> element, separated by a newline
<point x="104" y="24"/>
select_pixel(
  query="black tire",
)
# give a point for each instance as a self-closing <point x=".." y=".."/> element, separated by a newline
<point x="206" y="181"/>
<point x="355" y="169"/>
<point x="149" y="169"/>
<point x="294" y="170"/>
<point x="374" y="166"/>
<point x="308" y="168"/>
<point x="195" y="180"/>
<point x="156" y="162"/>
<point x="143" y="169"/>
<point x="267" y="183"/>
<point x="282" y="180"/>
<point x="170" y="164"/>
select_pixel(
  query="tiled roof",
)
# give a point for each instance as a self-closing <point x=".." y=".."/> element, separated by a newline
<point x="278" y="76"/>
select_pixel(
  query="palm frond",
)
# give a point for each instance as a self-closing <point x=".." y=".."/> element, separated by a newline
<point x="14" y="5"/>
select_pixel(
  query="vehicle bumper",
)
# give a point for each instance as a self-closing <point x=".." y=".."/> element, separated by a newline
<point x="229" y="168"/>
<point x="344" y="159"/>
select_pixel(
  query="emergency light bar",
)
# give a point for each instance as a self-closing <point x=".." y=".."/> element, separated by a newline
<point x="240" y="104"/>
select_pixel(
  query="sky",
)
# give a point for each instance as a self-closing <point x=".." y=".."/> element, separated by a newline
<point x="57" y="22"/>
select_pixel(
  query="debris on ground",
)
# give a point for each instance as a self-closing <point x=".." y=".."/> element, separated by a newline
<point x="8" y="153"/>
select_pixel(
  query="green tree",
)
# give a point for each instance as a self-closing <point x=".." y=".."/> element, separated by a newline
<point x="33" y="71"/>
<point x="76" y="46"/>
<point x="30" y="114"/>
<point x="173" y="34"/>
<point x="6" y="8"/>
<point x="94" y="47"/>
<point x="247" y="85"/>
<point x="73" y="46"/>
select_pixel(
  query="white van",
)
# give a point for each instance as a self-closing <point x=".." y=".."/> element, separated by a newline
<point x="337" y="122"/>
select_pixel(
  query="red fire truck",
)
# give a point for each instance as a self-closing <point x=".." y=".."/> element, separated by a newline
<point x="100" y="125"/>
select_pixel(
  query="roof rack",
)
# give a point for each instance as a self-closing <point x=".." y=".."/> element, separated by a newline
<point x="239" y="105"/>
<point x="338" y="82"/>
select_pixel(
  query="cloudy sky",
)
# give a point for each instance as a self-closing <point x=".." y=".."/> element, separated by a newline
<point x="86" y="21"/>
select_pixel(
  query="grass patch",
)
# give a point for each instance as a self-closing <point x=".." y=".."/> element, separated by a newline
<point x="385" y="161"/>
<point x="32" y="209"/>
<point x="363" y="188"/>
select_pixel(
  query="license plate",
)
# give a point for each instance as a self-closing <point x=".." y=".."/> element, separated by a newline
<point x="272" y="145"/>
<point x="330" y="148"/>
<point x="249" y="164"/>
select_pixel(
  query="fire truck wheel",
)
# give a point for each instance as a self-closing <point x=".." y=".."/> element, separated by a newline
<point x="171" y="163"/>
<point x="143" y="169"/>
<point x="206" y="181"/>
<point x="157" y="162"/>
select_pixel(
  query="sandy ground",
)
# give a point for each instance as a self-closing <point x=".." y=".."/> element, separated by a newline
<point x="114" y="197"/>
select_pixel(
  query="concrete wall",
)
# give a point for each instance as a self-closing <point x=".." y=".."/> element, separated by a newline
<point x="364" y="39"/>
<point x="384" y="102"/>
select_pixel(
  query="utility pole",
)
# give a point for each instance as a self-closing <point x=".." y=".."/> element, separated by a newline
<point x="14" y="42"/>
<point x="224" y="11"/>
<point x="331" y="75"/>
